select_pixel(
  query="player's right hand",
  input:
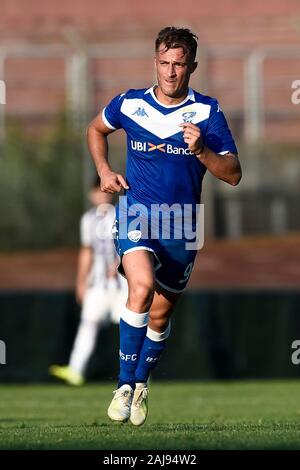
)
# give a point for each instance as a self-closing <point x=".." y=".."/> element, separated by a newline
<point x="112" y="182"/>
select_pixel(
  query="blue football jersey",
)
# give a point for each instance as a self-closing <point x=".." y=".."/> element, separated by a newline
<point x="160" y="167"/>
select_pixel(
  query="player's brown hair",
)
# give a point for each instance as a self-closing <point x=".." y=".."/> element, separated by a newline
<point x="174" y="37"/>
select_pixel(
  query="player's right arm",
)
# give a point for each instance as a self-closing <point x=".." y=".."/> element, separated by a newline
<point x="97" y="133"/>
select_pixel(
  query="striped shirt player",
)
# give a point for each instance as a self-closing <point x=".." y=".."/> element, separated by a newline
<point x="105" y="290"/>
<point x="95" y="232"/>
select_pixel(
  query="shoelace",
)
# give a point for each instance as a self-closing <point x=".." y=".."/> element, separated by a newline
<point x="123" y="396"/>
<point x="141" y="396"/>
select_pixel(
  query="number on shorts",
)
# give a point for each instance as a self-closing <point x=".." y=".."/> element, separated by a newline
<point x="187" y="273"/>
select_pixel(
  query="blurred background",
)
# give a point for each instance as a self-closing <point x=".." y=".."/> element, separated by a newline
<point x="61" y="63"/>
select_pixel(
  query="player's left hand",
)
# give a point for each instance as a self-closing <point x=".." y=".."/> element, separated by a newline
<point x="192" y="137"/>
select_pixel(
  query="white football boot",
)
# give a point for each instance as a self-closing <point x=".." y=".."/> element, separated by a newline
<point x="119" y="409"/>
<point x="139" y="406"/>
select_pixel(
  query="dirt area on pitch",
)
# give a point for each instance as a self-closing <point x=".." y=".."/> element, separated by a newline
<point x="249" y="263"/>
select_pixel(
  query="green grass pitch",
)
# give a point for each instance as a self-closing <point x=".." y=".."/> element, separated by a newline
<point x="182" y="415"/>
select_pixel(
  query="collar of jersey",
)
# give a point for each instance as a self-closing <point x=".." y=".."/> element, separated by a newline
<point x="190" y="96"/>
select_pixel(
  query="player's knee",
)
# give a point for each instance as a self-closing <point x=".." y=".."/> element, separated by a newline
<point x="140" y="296"/>
<point x="159" y="324"/>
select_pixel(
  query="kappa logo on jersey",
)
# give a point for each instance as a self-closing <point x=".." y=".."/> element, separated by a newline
<point x="140" y="112"/>
<point x="166" y="148"/>
<point x="134" y="235"/>
<point x="188" y="116"/>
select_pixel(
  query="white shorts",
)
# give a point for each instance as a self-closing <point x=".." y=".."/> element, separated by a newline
<point x="104" y="305"/>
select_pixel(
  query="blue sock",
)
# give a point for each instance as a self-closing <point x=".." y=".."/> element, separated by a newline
<point x="152" y="350"/>
<point x="133" y="329"/>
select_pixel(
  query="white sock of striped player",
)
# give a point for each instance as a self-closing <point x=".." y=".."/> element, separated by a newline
<point x="151" y="351"/>
<point x="133" y="328"/>
<point x="83" y="346"/>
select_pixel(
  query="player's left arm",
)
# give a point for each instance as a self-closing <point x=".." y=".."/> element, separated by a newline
<point x="217" y="150"/>
<point x="225" y="167"/>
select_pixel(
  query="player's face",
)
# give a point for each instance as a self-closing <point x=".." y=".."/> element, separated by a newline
<point x="173" y="68"/>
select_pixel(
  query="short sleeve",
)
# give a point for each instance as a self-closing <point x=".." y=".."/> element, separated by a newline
<point x="85" y="230"/>
<point x="111" y="113"/>
<point x="218" y="136"/>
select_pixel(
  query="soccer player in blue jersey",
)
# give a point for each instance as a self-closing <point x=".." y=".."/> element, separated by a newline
<point x="174" y="134"/>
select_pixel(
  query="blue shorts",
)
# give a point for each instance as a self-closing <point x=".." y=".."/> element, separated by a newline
<point x="173" y="263"/>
